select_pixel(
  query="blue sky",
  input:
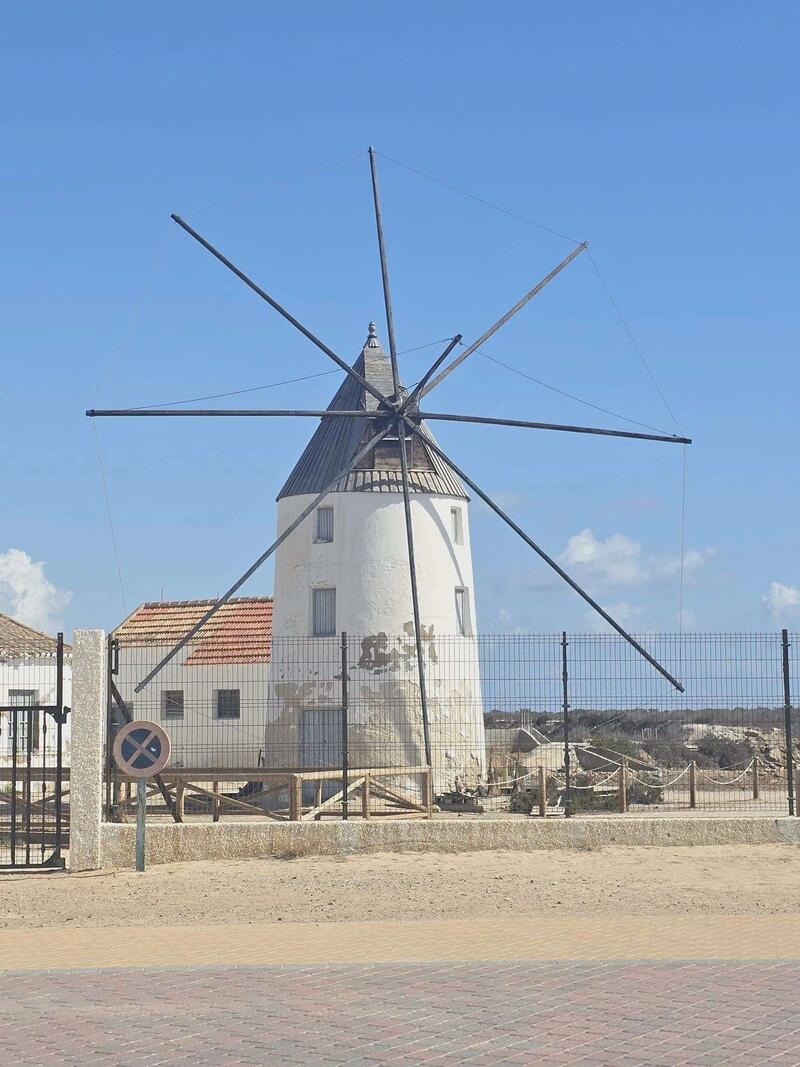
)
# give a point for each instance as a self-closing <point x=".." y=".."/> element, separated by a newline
<point x="664" y="135"/>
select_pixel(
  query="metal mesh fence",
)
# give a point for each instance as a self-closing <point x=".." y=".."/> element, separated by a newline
<point x="332" y="727"/>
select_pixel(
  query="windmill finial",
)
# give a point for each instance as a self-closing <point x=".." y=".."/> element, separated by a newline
<point x="372" y="336"/>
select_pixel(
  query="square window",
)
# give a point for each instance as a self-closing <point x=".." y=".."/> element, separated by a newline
<point x="323" y="612"/>
<point x="172" y="703"/>
<point x="323" y="530"/>
<point x="227" y="703"/>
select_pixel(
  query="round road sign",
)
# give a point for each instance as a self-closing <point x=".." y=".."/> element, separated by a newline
<point x="141" y="748"/>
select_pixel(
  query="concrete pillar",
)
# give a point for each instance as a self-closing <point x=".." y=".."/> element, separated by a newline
<point x="88" y="722"/>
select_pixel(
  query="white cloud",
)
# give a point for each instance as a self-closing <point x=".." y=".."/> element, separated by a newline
<point x="616" y="560"/>
<point x="687" y="620"/>
<point x="781" y="599"/>
<point x="506" y="622"/>
<point x="26" y="594"/>
<point x="619" y="560"/>
<point x="627" y="615"/>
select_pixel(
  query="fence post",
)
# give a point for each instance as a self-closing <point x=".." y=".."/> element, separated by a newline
<point x="365" y="796"/>
<point x="755" y="777"/>
<point x="89" y="708"/>
<point x="565" y="706"/>
<point x="622" y="785"/>
<point x="112" y="780"/>
<point x="693" y="784"/>
<point x="787" y="718"/>
<point x="345" y="754"/>
<point x="295" y="797"/>
<point x="542" y="791"/>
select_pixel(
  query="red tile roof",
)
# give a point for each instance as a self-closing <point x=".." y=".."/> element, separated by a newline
<point x="19" y="640"/>
<point x="240" y="632"/>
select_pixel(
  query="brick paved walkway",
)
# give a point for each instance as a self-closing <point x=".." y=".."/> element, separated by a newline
<point x="641" y="990"/>
<point x="663" y="1013"/>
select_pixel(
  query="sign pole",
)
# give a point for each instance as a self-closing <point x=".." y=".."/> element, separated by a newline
<point x="141" y="750"/>
<point x="141" y="807"/>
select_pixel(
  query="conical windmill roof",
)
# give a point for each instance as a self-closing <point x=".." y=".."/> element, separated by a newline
<point x="336" y="441"/>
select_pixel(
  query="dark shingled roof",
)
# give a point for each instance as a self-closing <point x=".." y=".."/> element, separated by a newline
<point x="336" y="441"/>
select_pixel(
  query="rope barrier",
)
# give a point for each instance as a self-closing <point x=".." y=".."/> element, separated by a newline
<point x="660" y="785"/>
<point x="732" y="781"/>
<point x="549" y="775"/>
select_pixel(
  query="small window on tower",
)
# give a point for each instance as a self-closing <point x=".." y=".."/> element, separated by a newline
<point x="323" y="532"/>
<point x="323" y="612"/>
<point x="462" y="611"/>
<point x="456" y="523"/>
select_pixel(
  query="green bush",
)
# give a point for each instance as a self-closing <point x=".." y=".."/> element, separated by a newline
<point x="588" y="800"/>
<point x="722" y="752"/>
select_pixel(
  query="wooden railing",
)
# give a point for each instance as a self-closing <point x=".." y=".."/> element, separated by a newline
<point x="372" y="792"/>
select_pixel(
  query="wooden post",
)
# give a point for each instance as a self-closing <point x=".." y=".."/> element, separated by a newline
<point x="542" y="791"/>
<point x="180" y="786"/>
<point x="295" y="797"/>
<point x="317" y="797"/>
<point x="427" y="791"/>
<point x="622" y="779"/>
<point x="216" y="806"/>
<point x="755" y="778"/>
<point x="693" y="784"/>
<point x="365" y="797"/>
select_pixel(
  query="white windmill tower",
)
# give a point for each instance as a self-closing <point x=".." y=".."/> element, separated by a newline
<point x="347" y="571"/>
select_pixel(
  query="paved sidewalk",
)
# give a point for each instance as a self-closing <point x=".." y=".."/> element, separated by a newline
<point x="522" y="1012"/>
<point x="690" y="990"/>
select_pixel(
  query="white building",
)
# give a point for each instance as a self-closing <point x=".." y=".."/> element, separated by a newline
<point x="28" y="682"/>
<point x="346" y="569"/>
<point x="212" y="698"/>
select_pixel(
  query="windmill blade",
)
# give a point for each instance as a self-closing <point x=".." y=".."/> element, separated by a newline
<point x="412" y="567"/>
<point x="281" y="310"/>
<point x="413" y="396"/>
<point x="548" y="559"/>
<point x="387" y="296"/>
<point x="362" y="452"/>
<point x="508" y="315"/>
<point x="672" y="439"/>
<point x="225" y="412"/>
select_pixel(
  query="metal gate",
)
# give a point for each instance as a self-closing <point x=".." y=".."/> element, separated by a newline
<point x="34" y="783"/>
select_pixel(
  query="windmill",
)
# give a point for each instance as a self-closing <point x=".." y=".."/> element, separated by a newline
<point x="395" y="413"/>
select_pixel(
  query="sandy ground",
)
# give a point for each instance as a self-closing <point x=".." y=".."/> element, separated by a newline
<point x="762" y="879"/>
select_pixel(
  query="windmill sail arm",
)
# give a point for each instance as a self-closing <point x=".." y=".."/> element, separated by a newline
<point x="564" y="427"/>
<point x="547" y="559"/>
<point x="504" y="318"/>
<point x="412" y="569"/>
<point x="281" y="310"/>
<point x="416" y="392"/>
<point x="363" y="451"/>
<point x="224" y="412"/>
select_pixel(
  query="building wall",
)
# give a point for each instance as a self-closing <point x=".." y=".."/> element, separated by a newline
<point x="37" y="673"/>
<point x="369" y="548"/>
<point x="200" y="739"/>
<point x="367" y="563"/>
